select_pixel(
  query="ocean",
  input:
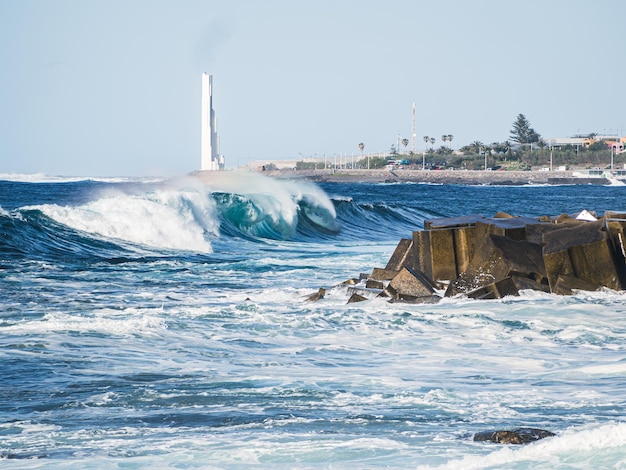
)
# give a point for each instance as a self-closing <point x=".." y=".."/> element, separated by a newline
<point x="163" y="324"/>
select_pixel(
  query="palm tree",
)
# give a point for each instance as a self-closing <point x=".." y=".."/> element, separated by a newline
<point x="361" y="147"/>
<point x="476" y="146"/>
<point x="446" y="138"/>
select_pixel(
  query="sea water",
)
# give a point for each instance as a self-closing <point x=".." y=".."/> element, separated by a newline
<point x="163" y="324"/>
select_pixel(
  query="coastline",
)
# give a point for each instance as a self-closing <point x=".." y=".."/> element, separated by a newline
<point x="467" y="177"/>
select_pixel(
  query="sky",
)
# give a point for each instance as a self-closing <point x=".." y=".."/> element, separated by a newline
<point x="112" y="87"/>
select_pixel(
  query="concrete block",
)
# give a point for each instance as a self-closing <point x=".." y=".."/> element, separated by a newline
<point x="374" y="284"/>
<point x="614" y="215"/>
<point x="379" y="274"/>
<point x="442" y="254"/>
<point x="513" y="227"/>
<point x="464" y="241"/>
<point x="508" y="286"/>
<point x="316" y="296"/>
<point x="364" y="292"/>
<point x="356" y="298"/>
<point x="495" y="258"/>
<point x="402" y="256"/>
<point x="566" y="285"/>
<point x="422" y="259"/>
<point x="451" y="222"/>
<point x="409" y="285"/>
<point x="585" y="251"/>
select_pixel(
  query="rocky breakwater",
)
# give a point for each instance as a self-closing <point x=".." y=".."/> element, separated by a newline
<point x="491" y="257"/>
<point x="407" y="175"/>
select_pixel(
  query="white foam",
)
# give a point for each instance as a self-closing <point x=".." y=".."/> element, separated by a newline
<point x="43" y="178"/>
<point x="167" y="218"/>
<point x="588" y="447"/>
<point x="106" y="322"/>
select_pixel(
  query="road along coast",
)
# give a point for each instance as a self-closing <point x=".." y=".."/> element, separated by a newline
<point x="470" y="177"/>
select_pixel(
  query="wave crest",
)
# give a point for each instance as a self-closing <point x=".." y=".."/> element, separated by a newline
<point x="164" y="218"/>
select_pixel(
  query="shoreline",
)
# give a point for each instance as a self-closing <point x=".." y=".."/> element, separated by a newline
<point x="467" y="177"/>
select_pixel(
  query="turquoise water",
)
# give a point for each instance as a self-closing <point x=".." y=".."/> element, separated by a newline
<point x="163" y="324"/>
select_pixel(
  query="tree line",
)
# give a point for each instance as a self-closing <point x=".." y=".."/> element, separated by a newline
<point x="523" y="150"/>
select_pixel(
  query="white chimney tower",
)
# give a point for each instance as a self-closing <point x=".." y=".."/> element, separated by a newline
<point x="210" y="159"/>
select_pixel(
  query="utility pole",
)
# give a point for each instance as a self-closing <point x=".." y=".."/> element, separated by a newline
<point x="413" y="135"/>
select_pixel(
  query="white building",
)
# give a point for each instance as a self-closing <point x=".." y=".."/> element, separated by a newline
<point x="563" y="141"/>
<point x="210" y="146"/>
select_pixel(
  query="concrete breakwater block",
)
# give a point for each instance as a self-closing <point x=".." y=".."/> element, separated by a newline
<point x="493" y="257"/>
<point x="410" y="286"/>
<point x="588" y="255"/>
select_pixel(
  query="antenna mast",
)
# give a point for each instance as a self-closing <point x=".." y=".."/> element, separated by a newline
<point x="413" y="134"/>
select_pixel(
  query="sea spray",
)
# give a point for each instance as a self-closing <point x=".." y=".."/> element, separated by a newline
<point x="269" y="208"/>
<point x="162" y="218"/>
<point x="115" y="355"/>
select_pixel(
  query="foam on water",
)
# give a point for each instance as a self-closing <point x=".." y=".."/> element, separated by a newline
<point x="129" y="322"/>
<point x="185" y="359"/>
<point x="591" y="446"/>
<point x="174" y="219"/>
<point x="43" y="178"/>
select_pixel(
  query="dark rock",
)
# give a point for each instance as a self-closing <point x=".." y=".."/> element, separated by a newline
<point x="356" y="298"/>
<point x="316" y="296"/>
<point x="515" y="436"/>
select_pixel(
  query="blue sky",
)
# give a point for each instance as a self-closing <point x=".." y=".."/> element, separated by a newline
<point x="112" y="88"/>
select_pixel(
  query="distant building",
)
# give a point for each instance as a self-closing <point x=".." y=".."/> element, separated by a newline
<point x="612" y="141"/>
<point x="210" y="146"/>
<point x="563" y="141"/>
<point x="617" y="145"/>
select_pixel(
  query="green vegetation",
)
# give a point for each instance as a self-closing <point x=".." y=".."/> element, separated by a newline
<point x="309" y="165"/>
<point x="524" y="150"/>
<point x="522" y="133"/>
<point x="502" y="156"/>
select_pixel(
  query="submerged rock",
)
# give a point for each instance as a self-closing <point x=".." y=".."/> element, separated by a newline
<point x="316" y="296"/>
<point x="356" y="298"/>
<point x="515" y="436"/>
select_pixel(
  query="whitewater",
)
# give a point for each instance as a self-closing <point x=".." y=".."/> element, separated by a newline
<point x="148" y="323"/>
